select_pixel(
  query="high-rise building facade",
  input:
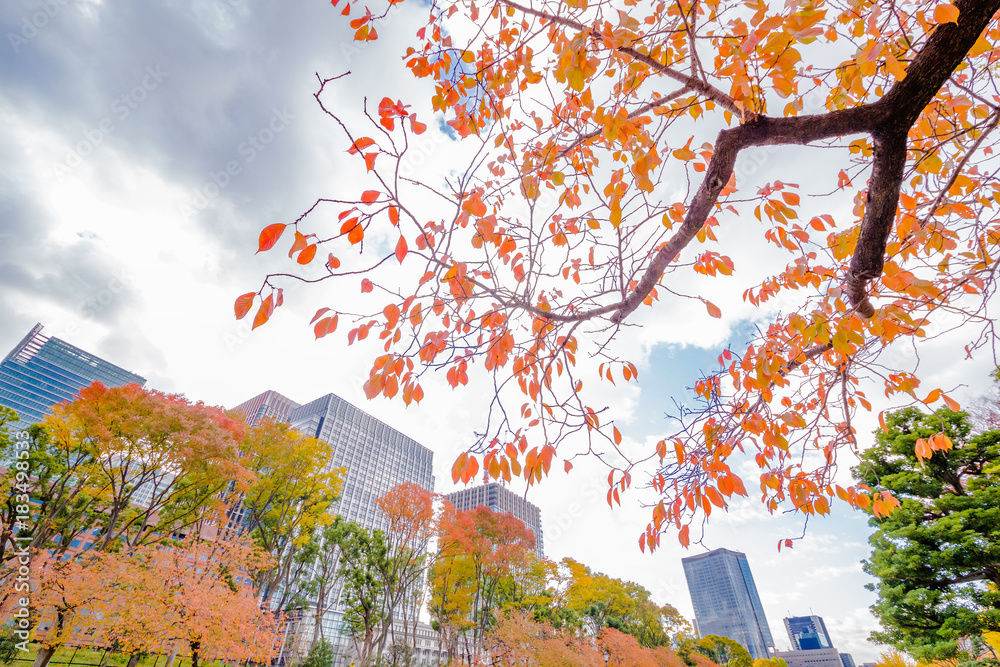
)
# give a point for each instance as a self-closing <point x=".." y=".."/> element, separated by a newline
<point x="812" y="645"/>
<point x="269" y="404"/>
<point x="807" y="633"/>
<point x="376" y="457"/>
<point x="726" y="601"/>
<point x="41" y="372"/>
<point x="501" y="499"/>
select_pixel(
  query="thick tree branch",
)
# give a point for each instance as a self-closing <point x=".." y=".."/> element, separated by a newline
<point x="888" y="120"/>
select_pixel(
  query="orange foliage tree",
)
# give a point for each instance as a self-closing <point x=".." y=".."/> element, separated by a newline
<point x="194" y="592"/>
<point x="197" y="593"/>
<point x="528" y="264"/>
<point x="484" y="562"/>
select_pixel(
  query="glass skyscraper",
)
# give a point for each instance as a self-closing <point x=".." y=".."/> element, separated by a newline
<point x="41" y="372"/>
<point x="807" y="633"/>
<point x="725" y="600"/>
<point x="377" y="458"/>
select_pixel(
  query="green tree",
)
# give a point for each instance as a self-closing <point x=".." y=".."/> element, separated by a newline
<point x="723" y="651"/>
<point x="936" y="559"/>
<point x="321" y="655"/>
<point x="364" y="557"/>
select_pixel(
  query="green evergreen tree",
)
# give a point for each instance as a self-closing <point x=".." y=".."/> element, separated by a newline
<point x="936" y="559"/>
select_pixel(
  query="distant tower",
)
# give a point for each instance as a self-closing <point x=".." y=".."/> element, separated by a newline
<point x="41" y="372"/>
<point x="807" y="633"/>
<point x="501" y="499"/>
<point x="725" y="600"/>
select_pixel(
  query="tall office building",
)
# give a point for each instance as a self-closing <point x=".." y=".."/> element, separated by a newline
<point x="376" y="456"/>
<point x="41" y="372"/>
<point x="725" y="600"/>
<point x="807" y="633"/>
<point x="501" y="499"/>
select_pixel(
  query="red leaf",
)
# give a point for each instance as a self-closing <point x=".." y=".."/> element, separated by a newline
<point x="299" y="244"/>
<point x="361" y="143"/>
<point x="356" y="235"/>
<point x="243" y="304"/>
<point x="264" y="312"/>
<point x="332" y="262"/>
<point x="713" y="310"/>
<point x="307" y="255"/>
<point x="319" y="314"/>
<point x="567" y="466"/>
<point x="369" y="196"/>
<point x="367" y="285"/>
<point x="370" y="160"/>
<point x="394" y="216"/>
<point x="270" y="235"/>
<point x="401" y="249"/>
<point x="325" y="326"/>
<point x="417" y="126"/>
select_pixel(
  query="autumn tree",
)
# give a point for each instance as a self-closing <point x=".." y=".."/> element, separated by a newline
<point x="603" y="141"/>
<point x="602" y="601"/>
<point x="481" y="557"/>
<point x="936" y="560"/>
<point x="411" y="522"/>
<point x="200" y="593"/>
<point x="68" y="598"/>
<point x="127" y="466"/>
<point x="518" y="640"/>
<point x="285" y="499"/>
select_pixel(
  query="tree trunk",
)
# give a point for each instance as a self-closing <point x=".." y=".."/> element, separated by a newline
<point x="133" y="659"/>
<point x="43" y="657"/>
<point x="194" y="653"/>
<point x="171" y="658"/>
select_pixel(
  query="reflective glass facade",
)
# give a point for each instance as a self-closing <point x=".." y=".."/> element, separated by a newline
<point x="725" y="600"/>
<point x="807" y="633"/>
<point x="41" y="372"/>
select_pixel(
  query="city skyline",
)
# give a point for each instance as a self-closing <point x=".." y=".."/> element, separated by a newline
<point x="137" y="250"/>
<point x="311" y="417"/>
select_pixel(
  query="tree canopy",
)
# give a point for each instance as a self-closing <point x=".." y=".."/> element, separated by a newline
<point x="603" y="144"/>
<point x="936" y="559"/>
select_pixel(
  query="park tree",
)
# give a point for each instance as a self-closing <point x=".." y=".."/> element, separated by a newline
<point x="200" y="593"/>
<point x="603" y="601"/>
<point x="604" y="144"/>
<point x="284" y="497"/>
<point x="723" y="651"/>
<point x="519" y="641"/>
<point x="411" y="522"/>
<point x="936" y="559"/>
<point x="484" y="558"/>
<point x="363" y="561"/>
<point x="125" y="466"/>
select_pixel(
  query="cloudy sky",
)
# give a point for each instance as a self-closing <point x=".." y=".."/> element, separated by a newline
<point x="145" y="147"/>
